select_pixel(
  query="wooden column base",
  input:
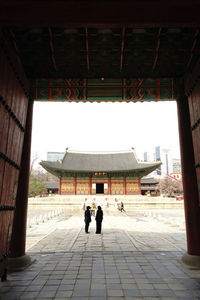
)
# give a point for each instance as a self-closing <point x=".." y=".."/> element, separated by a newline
<point x="19" y="263"/>
<point x="192" y="261"/>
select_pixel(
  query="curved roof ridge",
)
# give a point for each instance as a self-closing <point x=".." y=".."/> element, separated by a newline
<point x="99" y="152"/>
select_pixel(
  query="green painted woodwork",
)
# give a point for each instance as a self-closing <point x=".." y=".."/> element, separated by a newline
<point x="135" y="89"/>
<point x="104" y="98"/>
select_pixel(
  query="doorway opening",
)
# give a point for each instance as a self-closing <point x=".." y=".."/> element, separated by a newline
<point x="99" y="188"/>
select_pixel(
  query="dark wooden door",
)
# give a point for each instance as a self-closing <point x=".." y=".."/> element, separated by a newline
<point x="99" y="188"/>
<point x="13" y="109"/>
<point x="194" y="106"/>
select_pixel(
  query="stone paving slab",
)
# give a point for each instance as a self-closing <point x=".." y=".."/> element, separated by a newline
<point x="134" y="258"/>
<point x="120" y="232"/>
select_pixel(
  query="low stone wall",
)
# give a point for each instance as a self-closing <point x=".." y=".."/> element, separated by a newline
<point x="130" y="202"/>
<point x="43" y="216"/>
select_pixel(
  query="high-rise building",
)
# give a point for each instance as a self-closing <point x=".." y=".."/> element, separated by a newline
<point x="176" y="164"/>
<point x="54" y="156"/>
<point x="163" y="155"/>
<point x="145" y="156"/>
<point x="148" y="156"/>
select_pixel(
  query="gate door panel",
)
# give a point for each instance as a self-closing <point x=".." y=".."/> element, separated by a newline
<point x="194" y="107"/>
<point x="13" y="109"/>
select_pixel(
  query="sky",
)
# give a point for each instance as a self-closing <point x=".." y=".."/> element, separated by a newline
<point x="104" y="127"/>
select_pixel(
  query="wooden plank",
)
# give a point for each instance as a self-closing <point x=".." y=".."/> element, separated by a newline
<point x="6" y="183"/>
<point x="4" y="126"/>
<point x="4" y="72"/>
<point x="5" y="201"/>
<point x="3" y="68"/>
<point x="9" y="86"/>
<point x="3" y="133"/>
<point x="4" y="119"/>
<point x="196" y="130"/>
<point x="22" y="112"/>
<point x="22" y="109"/>
<point x="194" y="115"/>
<point x="17" y="131"/>
<point x="197" y="134"/>
<point x="192" y="122"/>
<point x="2" y="166"/>
<point x="11" y="130"/>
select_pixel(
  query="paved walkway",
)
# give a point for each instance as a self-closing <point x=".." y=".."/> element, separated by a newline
<point x="136" y="257"/>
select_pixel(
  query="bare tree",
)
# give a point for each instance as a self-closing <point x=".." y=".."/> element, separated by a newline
<point x="33" y="161"/>
<point x="170" y="187"/>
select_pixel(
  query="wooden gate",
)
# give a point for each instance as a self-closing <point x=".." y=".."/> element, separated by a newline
<point x="193" y="92"/>
<point x="14" y="89"/>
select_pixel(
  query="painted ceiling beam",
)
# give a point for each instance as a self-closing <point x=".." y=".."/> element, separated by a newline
<point x="196" y="35"/>
<point x="157" y="49"/>
<point x="52" y="48"/>
<point x="87" y="49"/>
<point x="122" y="48"/>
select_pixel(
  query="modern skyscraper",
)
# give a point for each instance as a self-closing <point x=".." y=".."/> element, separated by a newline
<point x="54" y="156"/>
<point x="145" y="156"/>
<point x="164" y="156"/>
<point x="176" y="164"/>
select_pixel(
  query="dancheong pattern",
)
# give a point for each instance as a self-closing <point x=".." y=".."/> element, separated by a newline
<point x="148" y="89"/>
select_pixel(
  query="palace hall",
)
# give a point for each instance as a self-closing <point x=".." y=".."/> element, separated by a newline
<point x="93" y="173"/>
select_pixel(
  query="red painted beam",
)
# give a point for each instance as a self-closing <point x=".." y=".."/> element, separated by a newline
<point x="196" y="35"/>
<point x="122" y="48"/>
<point x="157" y="49"/>
<point x="103" y="86"/>
<point x="52" y="48"/>
<point x="87" y="49"/>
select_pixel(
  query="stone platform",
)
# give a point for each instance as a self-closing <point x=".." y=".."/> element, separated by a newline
<point x="135" y="257"/>
<point x="74" y="202"/>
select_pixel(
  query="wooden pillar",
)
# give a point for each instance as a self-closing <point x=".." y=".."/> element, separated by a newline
<point x="139" y="186"/>
<point x="109" y="186"/>
<point x="60" y="185"/>
<point x="75" y="183"/>
<point x="191" y="203"/>
<point x="19" y="260"/>
<point x="124" y="185"/>
<point x="90" y="187"/>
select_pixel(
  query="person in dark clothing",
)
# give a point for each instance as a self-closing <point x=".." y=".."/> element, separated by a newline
<point x="87" y="219"/>
<point x="99" y="219"/>
<point x="122" y="207"/>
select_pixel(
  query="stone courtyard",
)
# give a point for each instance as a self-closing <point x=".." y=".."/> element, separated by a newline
<point x="137" y="256"/>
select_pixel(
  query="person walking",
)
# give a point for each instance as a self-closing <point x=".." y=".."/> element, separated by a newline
<point x="84" y="205"/>
<point x="99" y="219"/>
<point x="122" y="207"/>
<point x="87" y="219"/>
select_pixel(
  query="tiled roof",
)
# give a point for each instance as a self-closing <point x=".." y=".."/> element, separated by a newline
<point x="99" y="161"/>
<point x="52" y="185"/>
<point x="149" y="180"/>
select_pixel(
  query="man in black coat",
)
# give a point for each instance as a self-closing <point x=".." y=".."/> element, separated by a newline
<point x="99" y="219"/>
<point x="87" y="219"/>
<point x="122" y="207"/>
